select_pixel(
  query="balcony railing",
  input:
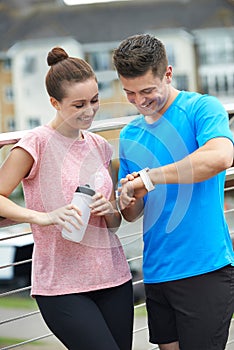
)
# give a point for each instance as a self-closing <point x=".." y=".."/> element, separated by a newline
<point x="17" y="324"/>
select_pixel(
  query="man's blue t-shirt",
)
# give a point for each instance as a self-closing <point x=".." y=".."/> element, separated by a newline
<point x="185" y="231"/>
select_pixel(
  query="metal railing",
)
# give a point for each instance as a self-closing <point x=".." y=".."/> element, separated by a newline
<point x="127" y="240"/>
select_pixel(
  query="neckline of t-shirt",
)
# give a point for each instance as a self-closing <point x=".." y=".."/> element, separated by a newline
<point x="69" y="139"/>
<point x="164" y="115"/>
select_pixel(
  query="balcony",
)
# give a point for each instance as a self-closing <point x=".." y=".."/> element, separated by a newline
<point x="26" y="327"/>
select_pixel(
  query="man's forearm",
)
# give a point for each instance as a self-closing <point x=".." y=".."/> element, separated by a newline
<point x="209" y="160"/>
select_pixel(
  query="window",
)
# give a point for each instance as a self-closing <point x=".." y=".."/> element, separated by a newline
<point x="29" y="64"/>
<point x="11" y="124"/>
<point x="217" y="88"/>
<point x="170" y="55"/>
<point x="225" y="84"/>
<point x="105" y="89"/>
<point x="33" y="122"/>
<point x="202" y="53"/>
<point x="181" y="82"/>
<point x="7" y="64"/>
<point x="204" y="84"/>
<point x="9" y="95"/>
<point x="220" y="85"/>
<point x="218" y="51"/>
<point x="100" y="60"/>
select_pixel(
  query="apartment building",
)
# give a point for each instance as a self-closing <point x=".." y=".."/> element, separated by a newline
<point x="198" y="37"/>
<point x="216" y="61"/>
<point x="29" y="67"/>
<point x="7" y="110"/>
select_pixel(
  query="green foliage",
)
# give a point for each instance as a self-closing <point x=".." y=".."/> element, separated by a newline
<point x="9" y="341"/>
<point x="140" y="312"/>
<point x="18" y="303"/>
<point x="12" y="341"/>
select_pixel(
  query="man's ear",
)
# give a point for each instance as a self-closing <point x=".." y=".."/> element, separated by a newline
<point x="169" y="73"/>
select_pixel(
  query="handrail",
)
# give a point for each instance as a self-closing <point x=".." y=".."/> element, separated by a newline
<point x="9" y="138"/>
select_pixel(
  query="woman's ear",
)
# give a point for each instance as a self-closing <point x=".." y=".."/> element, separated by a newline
<point x="55" y="103"/>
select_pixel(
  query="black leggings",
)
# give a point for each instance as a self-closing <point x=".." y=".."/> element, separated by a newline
<point x="97" y="320"/>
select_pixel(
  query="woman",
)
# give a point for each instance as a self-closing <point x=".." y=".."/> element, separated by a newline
<point x="83" y="290"/>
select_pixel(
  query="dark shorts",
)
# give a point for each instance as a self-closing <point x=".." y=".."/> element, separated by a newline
<point x="195" y="311"/>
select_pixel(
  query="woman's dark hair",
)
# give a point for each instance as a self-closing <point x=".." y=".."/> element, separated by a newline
<point x="138" y="54"/>
<point x="63" y="70"/>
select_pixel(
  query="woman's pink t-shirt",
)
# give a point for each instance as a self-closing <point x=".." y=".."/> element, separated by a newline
<point x="60" y="165"/>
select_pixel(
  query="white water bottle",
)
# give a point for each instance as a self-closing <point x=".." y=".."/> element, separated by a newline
<point x="81" y="198"/>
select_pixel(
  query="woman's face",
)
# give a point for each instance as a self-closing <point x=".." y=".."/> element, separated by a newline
<point x="80" y="104"/>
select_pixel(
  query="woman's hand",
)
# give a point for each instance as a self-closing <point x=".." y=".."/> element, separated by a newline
<point x="101" y="206"/>
<point x="61" y="216"/>
<point x="106" y="208"/>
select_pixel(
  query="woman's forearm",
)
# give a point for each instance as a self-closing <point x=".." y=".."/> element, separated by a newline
<point x="113" y="220"/>
<point x="14" y="212"/>
<point x="59" y="216"/>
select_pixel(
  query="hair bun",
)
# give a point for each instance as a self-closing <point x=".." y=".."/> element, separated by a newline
<point x="56" y="55"/>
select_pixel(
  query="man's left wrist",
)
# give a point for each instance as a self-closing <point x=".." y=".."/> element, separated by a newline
<point x="146" y="179"/>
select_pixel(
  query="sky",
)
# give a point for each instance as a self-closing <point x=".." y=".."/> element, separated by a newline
<point x="77" y="2"/>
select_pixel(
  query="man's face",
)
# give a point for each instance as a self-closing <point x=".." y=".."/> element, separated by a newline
<point x="149" y="94"/>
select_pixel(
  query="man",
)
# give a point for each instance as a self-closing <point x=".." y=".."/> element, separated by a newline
<point x="184" y="138"/>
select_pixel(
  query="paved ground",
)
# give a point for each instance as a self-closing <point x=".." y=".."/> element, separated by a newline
<point x="34" y="326"/>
